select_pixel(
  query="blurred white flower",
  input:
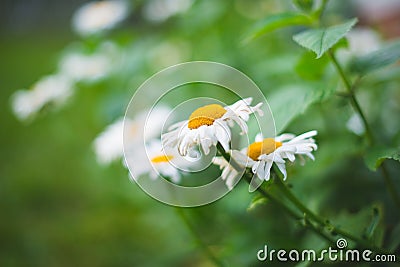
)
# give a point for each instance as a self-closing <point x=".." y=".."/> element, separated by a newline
<point x="361" y="41"/>
<point x="355" y="124"/>
<point x="376" y="10"/>
<point x="108" y="145"/>
<point x="161" y="10"/>
<point x="85" y="67"/>
<point x="50" y="89"/>
<point x="95" y="17"/>
<point x="229" y="174"/>
<point x="209" y="125"/>
<point x="169" y="53"/>
<point x="263" y="153"/>
<point x="158" y="160"/>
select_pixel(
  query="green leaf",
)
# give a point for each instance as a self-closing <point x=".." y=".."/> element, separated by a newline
<point x="305" y="5"/>
<point x="376" y="155"/>
<point x="376" y="217"/>
<point x="309" y="69"/>
<point x="394" y="238"/>
<point x="289" y="102"/>
<point x="256" y="201"/>
<point x="320" y="40"/>
<point x="277" y="21"/>
<point x="385" y="56"/>
<point x="366" y="223"/>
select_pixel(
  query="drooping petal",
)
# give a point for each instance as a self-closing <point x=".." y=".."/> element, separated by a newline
<point x="282" y="169"/>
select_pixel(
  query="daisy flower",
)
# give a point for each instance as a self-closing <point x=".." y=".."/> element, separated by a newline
<point x="229" y="174"/>
<point x="109" y="144"/>
<point x="90" y="67"/>
<point x="158" y="160"/>
<point x="49" y="89"/>
<point x="264" y="152"/>
<point x="161" y="10"/>
<point x="95" y="17"/>
<point x="209" y="125"/>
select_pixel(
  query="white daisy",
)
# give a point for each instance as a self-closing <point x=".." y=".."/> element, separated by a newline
<point x="49" y="89"/>
<point x="361" y="42"/>
<point x="229" y="174"/>
<point x="158" y="160"/>
<point x="95" y="17"/>
<point x="209" y="125"/>
<point x="355" y="124"/>
<point x="161" y="10"/>
<point x="109" y="145"/>
<point x="263" y="153"/>
<point x="79" y="66"/>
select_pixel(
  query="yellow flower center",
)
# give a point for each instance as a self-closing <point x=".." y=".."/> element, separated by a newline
<point x="267" y="146"/>
<point x="160" y="159"/>
<point x="205" y="115"/>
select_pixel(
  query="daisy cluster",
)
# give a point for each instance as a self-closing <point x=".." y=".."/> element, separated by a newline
<point x="209" y="125"/>
<point x="78" y="64"/>
<point x="205" y="128"/>
<point x="123" y="137"/>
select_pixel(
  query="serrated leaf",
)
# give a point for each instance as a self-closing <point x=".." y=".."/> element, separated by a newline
<point x="385" y="56"/>
<point x="277" y="21"/>
<point x="289" y="102"/>
<point x="320" y="40"/>
<point x="376" y="155"/>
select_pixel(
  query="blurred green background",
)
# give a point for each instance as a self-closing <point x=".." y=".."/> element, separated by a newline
<point x="60" y="207"/>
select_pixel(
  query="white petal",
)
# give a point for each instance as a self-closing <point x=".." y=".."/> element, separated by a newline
<point x="282" y="168"/>
<point x="259" y="137"/>
<point x="242" y="159"/>
<point x="284" y="137"/>
<point x="267" y="167"/>
<point x="304" y="136"/>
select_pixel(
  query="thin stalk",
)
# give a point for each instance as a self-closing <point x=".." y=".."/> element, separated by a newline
<point x="297" y="202"/>
<point x="322" y="9"/>
<point x="350" y="88"/>
<point x="248" y="178"/>
<point x="354" y="101"/>
<point x="198" y="239"/>
<point x="322" y="222"/>
<point x="320" y="232"/>
<point x="308" y="214"/>
<point x="247" y="175"/>
<point x="317" y="14"/>
<point x="390" y="184"/>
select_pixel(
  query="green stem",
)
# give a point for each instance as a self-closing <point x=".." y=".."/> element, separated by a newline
<point x="319" y="12"/>
<point x="297" y="202"/>
<point x="198" y="239"/>
<point x="322" y="222"/>
<point x="248" y="176"/>
<point x="272" y="198"/>
<point x="350" y="88"/>
<point x="353" y="99"/>
<point x="390" y="184"/>
<point x="320" y="231"/>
